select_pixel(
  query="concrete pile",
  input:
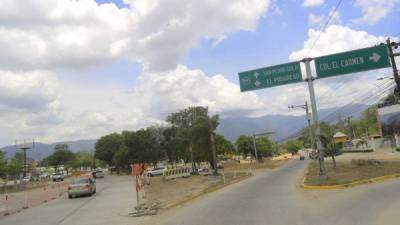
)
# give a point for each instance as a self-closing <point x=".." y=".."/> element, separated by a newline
<point x="146" y="209"/>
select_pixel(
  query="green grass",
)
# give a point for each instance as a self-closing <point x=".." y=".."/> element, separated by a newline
<point x="347" y="172"/>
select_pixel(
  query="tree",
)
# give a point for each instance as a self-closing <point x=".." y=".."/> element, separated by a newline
<point x="264" y="147"/>
<point x="223" y="146"/>
<point x="3" y="164"/>
<point x="83" y="159"/>
<point x="143" y="146"/>
<point x="331" y="149"/>
<point x="107" y="146"/>
<point x="61" y="156"/>
<point x="175" y="145"/>
<point x="245" y="145"/>
<point x="197" y="128"/>
<point x="293" y="146"/>
<point x="14" y="166"/>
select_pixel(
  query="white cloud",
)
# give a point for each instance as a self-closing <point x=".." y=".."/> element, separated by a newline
<point x="320" y="20"/>
<point x="312" y="3"/>
<point x="374" y="10"/>
<point x="315" y="20"/>
<point x="78" y="113"/>
<point x="346" y="89"/>
<point x="335" y="38"/>
<point x="182" y="87"/>
<point x="54" y="33"/>
<point x="27" y="91"/>
<point x="38" y="37"/>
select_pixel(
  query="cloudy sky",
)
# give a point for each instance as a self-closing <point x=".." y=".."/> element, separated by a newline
<point x="77" y="69"/>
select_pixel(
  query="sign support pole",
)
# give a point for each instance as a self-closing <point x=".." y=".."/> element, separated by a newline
<point x="315" y="118"/>
<point x="137" y="190"/>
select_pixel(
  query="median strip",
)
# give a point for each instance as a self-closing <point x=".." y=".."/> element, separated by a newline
<point x="351" y="174"/>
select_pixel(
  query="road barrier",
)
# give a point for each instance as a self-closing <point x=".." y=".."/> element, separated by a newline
<point x="176" y="173"/>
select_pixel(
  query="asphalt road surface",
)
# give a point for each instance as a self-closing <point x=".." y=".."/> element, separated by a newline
<point x="274" y="198"/>
<point x="114" y="199"/>
<point x="270" y="197"/>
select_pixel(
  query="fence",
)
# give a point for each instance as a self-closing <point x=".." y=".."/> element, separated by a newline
<point x="14" y="202"/>
<point x="176" y="173"/>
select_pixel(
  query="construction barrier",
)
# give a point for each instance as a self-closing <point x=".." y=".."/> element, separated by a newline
<point x="176" y="173"/>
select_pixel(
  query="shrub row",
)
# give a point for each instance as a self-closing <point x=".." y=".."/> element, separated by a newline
<point x="357" y="150"/>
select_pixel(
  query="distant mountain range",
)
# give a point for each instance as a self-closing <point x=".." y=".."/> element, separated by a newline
<point x="284" y="126"/>
<point x="42" y="150"/>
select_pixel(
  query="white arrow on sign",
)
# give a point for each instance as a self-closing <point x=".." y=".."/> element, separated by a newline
<point x="257" y="83"/>
<point x="256" y="75"/>
<point x="375" y="57"/>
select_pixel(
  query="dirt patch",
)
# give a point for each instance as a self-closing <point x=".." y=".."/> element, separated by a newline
<point x="170" y="192"/>
<point x="347" y="172"/>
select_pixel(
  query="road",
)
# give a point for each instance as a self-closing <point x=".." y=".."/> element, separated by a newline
<point x="272" y="197"/>
<point x="114" y="199"/>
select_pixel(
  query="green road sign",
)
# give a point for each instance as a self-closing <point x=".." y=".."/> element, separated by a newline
<point x="270" y="76"/>
<point x="352" y="61"/>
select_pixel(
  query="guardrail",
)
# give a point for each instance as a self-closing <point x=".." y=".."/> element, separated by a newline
<point x="176" y="173"/>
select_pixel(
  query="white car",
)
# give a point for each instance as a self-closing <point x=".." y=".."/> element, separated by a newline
<point x="82" y="186"/>
<point x="26" y="179"/>
<point x="58" y="177"/>
<point x="156" y="171"/>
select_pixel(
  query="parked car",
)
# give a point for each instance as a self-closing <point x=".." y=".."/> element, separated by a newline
<point x="98" y="174"/>
<point x="44" y="176"/>
<point x="81" y="186"/>
<point x="58" y="177"/>
<point x="156" y="171"/>
<point x="27" y="179"/>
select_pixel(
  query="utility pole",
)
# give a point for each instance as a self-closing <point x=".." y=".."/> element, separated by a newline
<point x="255" y="147"/>
<point x="308" y="115"/>
<point x="393" y="61"/>
<point x="193" y="120"/>
<point x="214" y="153"/>
<point x="24" y="145"/>
<point x="351" y="126"/>
<point x="317" y="132"/>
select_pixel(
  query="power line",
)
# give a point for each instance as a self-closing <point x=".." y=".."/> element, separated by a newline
<point x="384" y="87"/>
<point x="325" y="25"/>
<point x="369" y="102"/>
<point x="360" y="98"/>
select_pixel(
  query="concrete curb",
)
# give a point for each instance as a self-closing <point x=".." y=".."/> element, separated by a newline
<point x="351" y="184"/>
<point x="206" y="191"/>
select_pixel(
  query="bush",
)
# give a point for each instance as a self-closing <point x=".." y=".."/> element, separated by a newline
<point x="398" y="149"/>
<point x="357" y="151"/>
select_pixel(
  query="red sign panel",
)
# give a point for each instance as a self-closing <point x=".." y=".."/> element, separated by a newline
<point x="137" y="169"/>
